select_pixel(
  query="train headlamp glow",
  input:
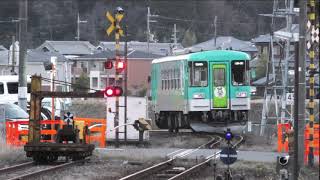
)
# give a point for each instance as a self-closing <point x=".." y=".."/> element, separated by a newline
<point x="198" y="96"/>
<point x="238" y="63"/>
<point x="198" y="64"/>
<point x="241" y="94"/>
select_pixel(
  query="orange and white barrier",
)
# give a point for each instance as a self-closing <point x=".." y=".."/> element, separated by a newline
<point x="97" y="129"/>
<point x="17" y="131"/>
<point x="283" y="142"/>
<point x="315" y="142"/>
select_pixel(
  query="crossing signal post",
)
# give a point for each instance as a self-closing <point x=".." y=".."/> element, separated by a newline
<point x="228" y="155"/>
<point x="119" y="65"/>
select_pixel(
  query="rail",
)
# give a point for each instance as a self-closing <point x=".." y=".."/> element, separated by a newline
<point x="202" y="165"/>
<point x="15" y="167"/>
<point x="167" y="163"/>
<point x="25" y="166"/>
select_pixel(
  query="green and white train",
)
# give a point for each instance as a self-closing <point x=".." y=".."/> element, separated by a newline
<point x="208" y="89"/>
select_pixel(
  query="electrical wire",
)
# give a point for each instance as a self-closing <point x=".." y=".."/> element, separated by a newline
<point x="200" y="21"/>
<point x="67" y="83"/>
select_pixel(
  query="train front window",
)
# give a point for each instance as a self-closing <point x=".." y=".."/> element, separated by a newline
<point x="219" y="77"/>
<point x="240" y="71"/>
<point x="198" y="73"/>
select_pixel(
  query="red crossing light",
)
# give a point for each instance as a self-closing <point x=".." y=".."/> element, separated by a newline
<point x="108" y="64"/>
<point x="120" y="66"/>
<point x="118" y="91"/>
<point x="111" y="91"/>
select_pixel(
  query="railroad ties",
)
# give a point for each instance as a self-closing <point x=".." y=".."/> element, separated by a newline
<point x="32" y="170"/>
<point x="174" y="168"/>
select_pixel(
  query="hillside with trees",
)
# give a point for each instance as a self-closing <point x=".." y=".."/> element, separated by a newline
<point x="56" y="20"/>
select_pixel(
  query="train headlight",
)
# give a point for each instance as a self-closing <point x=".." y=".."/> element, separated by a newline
<point x="242" y="94"/>
<point x="198" y="96"/>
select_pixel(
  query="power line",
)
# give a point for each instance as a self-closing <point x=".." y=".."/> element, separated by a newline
<point x="202" y="21"/>
<point x="67" y="83"/>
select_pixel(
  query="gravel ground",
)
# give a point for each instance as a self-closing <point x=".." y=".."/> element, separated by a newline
<point x="102" y="167"/>
<point x="180" y="140"/>
<point x="115" y="163"/>
<point x="254" y="171"/>
<point x="11" y="155"/>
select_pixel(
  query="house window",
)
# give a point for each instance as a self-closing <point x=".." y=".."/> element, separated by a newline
<point x="45" y="49"/>
<point x="111" y="81"/>
<point x="94" y="82"/>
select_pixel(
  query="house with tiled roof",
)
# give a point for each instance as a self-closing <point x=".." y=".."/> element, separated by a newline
<point x="68" y="48"/>
<point x="225" y="43"/>
<point x="162" y="49"/>
<point x="35" y="60"/>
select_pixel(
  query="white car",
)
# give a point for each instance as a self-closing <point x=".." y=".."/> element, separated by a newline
<point x="9" y="88"/>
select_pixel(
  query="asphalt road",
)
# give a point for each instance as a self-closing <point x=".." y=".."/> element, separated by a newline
<point x="136" y="153"/>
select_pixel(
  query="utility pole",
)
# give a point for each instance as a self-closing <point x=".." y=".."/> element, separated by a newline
<point x="13" y="53"/>
<point x="148" y="28"/>
<point x="22" y="90"/>
<point x="125" y="80"/>
<point x="299" y="93"/>
<point x="78" y="27"/>
<point x="52" y="88"/>
<point x="174" y="36"/>
<point x="215" y="30"/>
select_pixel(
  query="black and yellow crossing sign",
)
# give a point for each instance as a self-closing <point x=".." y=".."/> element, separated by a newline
<point x="113" y="24"/>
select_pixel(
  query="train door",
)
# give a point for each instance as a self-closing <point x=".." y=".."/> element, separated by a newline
<point x="220" y="89"/>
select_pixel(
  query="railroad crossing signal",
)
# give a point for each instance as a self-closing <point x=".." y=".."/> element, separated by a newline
<point x="108" y="64"/>
<point x="113" y="25"/>
<point x="111" y="91"/>
<point x="228" y="155"/>
<point x="119" y="65"/>
<point x="228" y="135"/>
<point x="68" y="117"/>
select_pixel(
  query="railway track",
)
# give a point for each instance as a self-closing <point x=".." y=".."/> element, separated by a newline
<point x="30" y="170"/>
<point x="168" y="169"/>
<point x="168" y="165"/>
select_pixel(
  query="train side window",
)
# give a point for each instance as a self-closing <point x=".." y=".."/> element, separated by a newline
<point x="173" y="79"/>
<point x="165" y="84"/>
<point x="170" y="79"/>
<point x="198" y="73"/>
<point x="177" y="78"/>
<point x="1" y="88"/>
<point x="162" y="84"/>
